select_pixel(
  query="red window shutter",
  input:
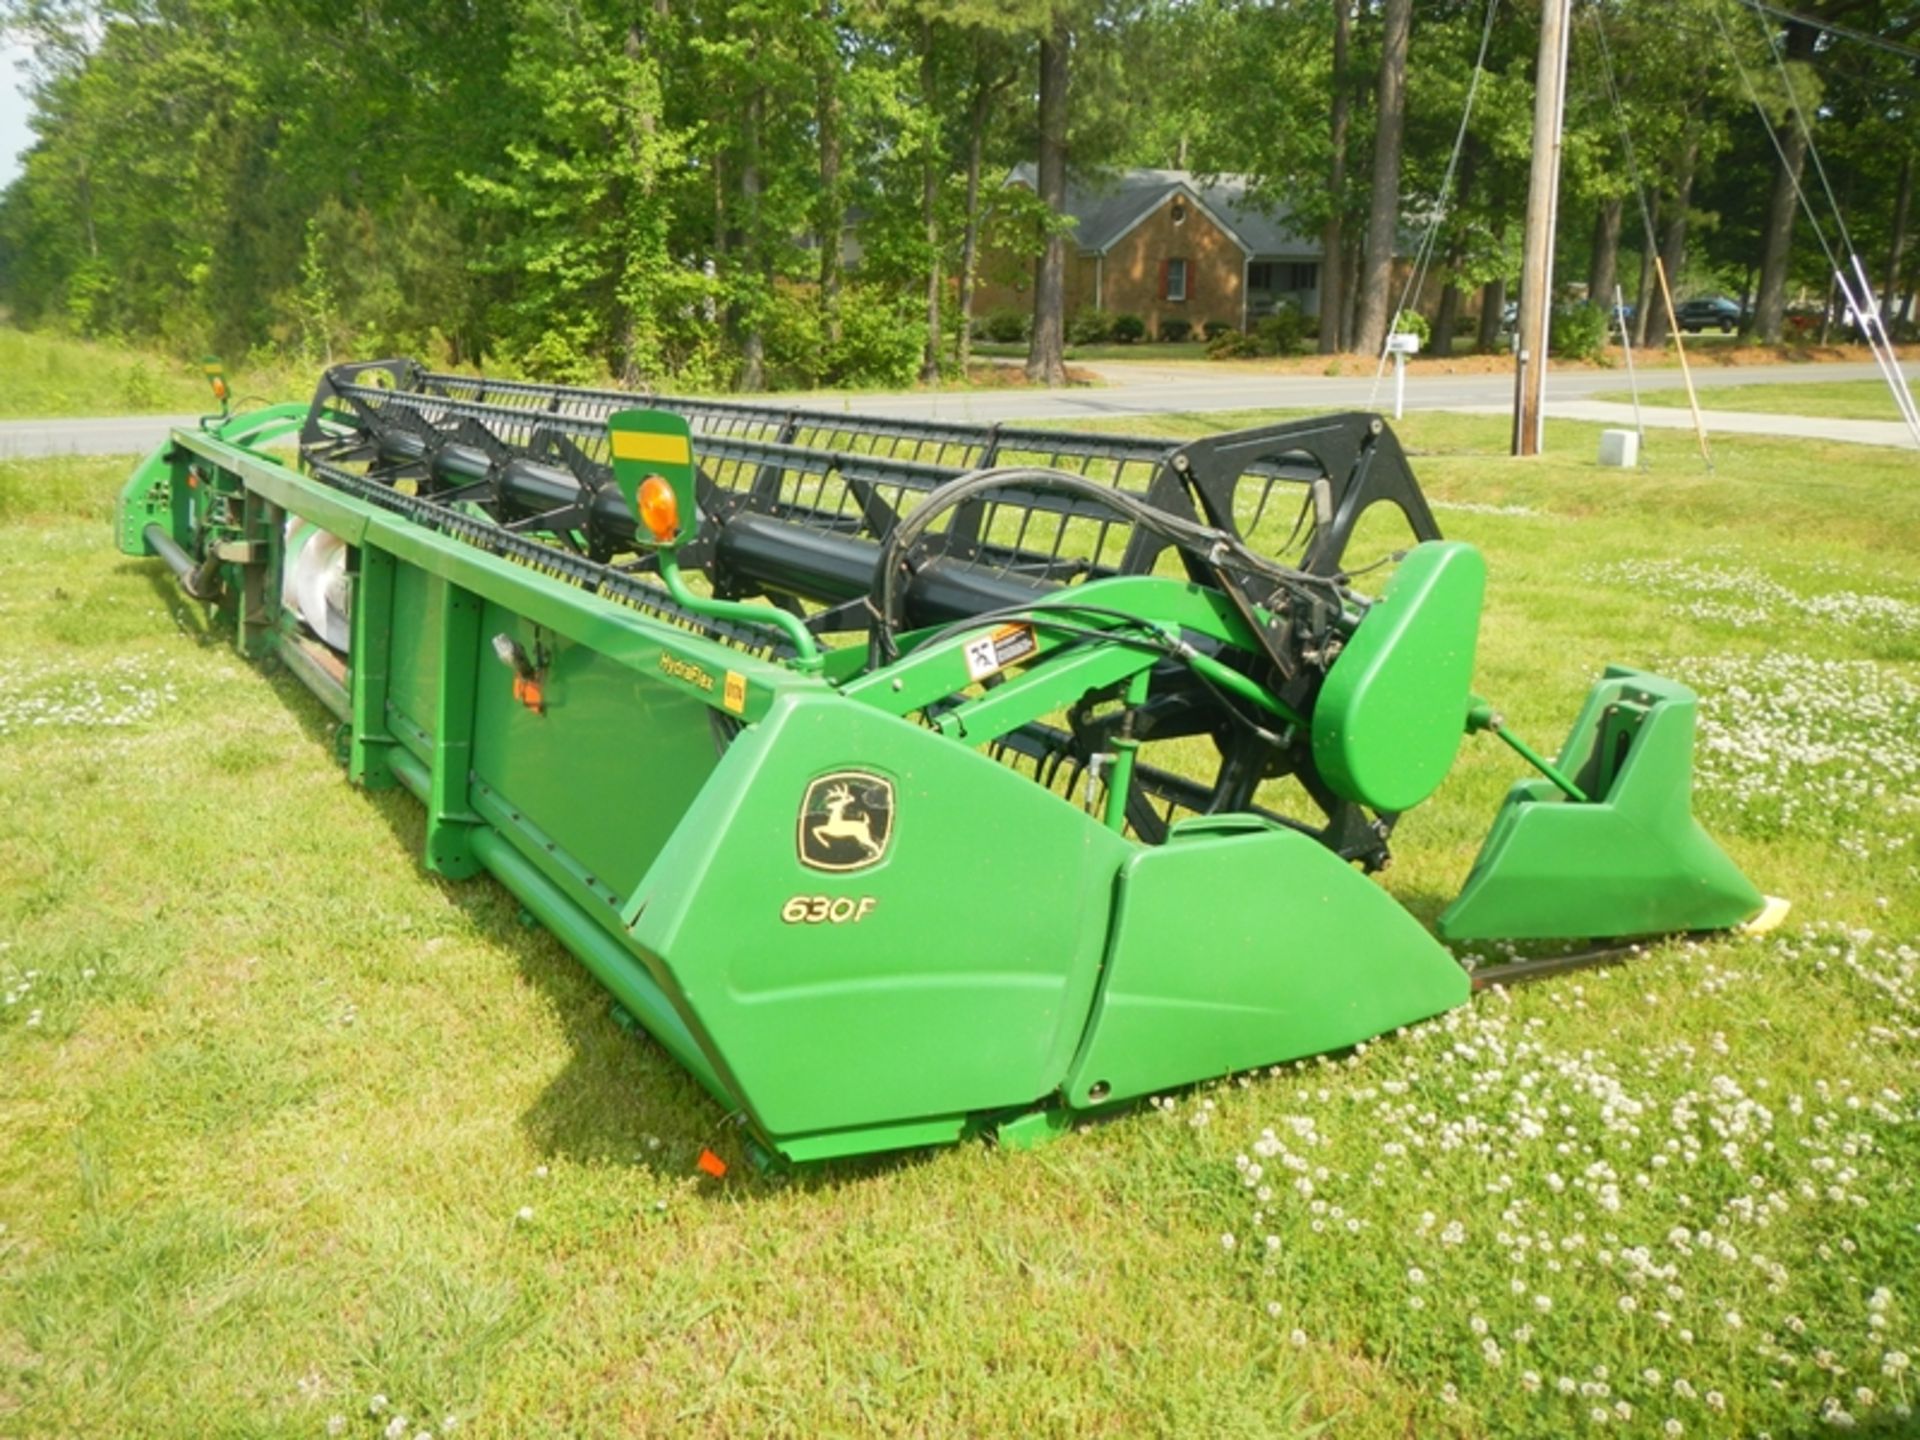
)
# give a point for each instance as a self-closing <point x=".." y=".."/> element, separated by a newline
<point x="1163" y="279"/>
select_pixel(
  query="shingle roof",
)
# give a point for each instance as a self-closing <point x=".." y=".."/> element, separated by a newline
<point x="1106" y="207"/>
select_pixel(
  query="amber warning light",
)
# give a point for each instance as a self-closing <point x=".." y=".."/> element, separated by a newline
<point x="659" y="509"/>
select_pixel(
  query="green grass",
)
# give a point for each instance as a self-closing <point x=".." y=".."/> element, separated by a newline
<point x="1840" y="399"/>
<point x="44" y="375"/>
<point x="275" y="1099"/>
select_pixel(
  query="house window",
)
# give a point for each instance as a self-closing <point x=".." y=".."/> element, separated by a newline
<point x="1179" y="212"/>
<point x="1176" y="286"/>
<point x="1303" y="275"/>
<point x="1260" y="275"/>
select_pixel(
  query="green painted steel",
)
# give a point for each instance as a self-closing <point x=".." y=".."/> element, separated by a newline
<point x="1389" y="719"/>
<point x="823" y="883"/>
<point x="1302" y="954"/>
<point x="1632" y="861"/>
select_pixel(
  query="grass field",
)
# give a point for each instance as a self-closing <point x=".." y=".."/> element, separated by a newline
<point x="42" y="374"/>
<point x="296" y="1140"/>
<point x="1842" y="399"/>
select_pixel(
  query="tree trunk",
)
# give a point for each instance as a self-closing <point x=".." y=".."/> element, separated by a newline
<point x="1673" y="245"/>
<point x="1383" y="205"/>
<point x="930" y="171"/>
<point x="1447" y="318"/>
<point x="753" y="340"/>
<point x="1776" y="251"/>
<point x="1333" y="278"/>
<point x="831" y="217"/>
<point x="1493" y="300"/>
<point x="977" y="114"/>
<point x="1046" y="359"/>
<point x="1647" y="297"/>
<point x="1603" y="269"/>
<point x="1902" y="206"/>
<point x="1350" y="302"/>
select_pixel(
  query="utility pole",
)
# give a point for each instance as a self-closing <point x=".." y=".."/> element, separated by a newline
<point x="1543" y="204"/>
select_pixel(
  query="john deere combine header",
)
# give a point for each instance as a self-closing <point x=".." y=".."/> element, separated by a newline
<point x="907" y="780"/>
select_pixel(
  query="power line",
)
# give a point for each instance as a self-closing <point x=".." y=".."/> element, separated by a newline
<point x="1830" y="27"/>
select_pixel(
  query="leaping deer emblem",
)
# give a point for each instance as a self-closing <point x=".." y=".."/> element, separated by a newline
<point x="840" y="826"/>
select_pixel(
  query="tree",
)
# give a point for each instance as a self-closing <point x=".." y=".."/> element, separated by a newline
<point x="1383" y="206"/>
<point x="1046" y="362"/>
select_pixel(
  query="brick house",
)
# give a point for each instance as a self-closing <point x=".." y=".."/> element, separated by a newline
<point x="1167" y="245"/>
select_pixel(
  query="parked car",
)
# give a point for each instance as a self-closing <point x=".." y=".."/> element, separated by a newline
<point x="1718" y="313"/>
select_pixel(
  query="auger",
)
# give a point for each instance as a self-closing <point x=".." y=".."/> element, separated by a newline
<point x="911" y="780"/>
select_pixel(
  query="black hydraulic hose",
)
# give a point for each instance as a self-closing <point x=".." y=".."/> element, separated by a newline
<point x="195" y="577"/>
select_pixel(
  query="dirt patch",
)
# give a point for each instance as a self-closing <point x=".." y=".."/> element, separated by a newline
<point x="1009" y="375"/>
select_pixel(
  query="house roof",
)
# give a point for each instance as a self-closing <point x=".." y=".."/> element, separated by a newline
<point x="1106" y="207"/>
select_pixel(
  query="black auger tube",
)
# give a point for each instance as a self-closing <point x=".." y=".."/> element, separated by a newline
<point x="194" y="578"/>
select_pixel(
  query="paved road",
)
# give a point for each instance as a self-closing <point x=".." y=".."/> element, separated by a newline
<point x="1145" y="389"/>
<point x="120" y="435"/>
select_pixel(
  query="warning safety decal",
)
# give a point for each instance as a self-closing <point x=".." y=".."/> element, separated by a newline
<point x="991" y="653"/>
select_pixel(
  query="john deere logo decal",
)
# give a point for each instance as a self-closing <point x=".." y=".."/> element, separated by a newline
<point x="846" y="821"/>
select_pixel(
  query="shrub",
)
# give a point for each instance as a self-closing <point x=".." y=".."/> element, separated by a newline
<point x="1172" y="332"/>
<point x="140" y="390"/>
<point x="1129" y="328"/>
<point x="1580" y="332"/>
<point x="1214" y="329"/>
<point x="1090" y="327"/>
<point x="1412" y="322"/>
<point x="1231" y="344"/>
<point x="1007" y="325"/>
<point x="882" y="339"/>
<point x="1281" y="332"/>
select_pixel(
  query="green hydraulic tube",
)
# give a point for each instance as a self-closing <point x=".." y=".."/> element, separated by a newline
<point x="1484" y="717"/>
<point x="807" y="657"/>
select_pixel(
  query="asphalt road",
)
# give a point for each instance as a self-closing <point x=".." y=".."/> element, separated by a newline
<point x="1130" y="389"/>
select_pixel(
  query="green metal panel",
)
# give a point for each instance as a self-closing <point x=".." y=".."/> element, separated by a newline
<point x="1236" y="944"/>
<point x="1393" y="711"/>
<point x="413" y="676"/>
<point x="371" y="659"/>
<point x="612" y="762"/>
<point x="449" y="815"/>
<point x="1633" y="861"/>
<point x="962" y="986"/>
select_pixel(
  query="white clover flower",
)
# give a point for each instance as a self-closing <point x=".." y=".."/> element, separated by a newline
<point x="1715" y="1400"/>
<point x="524" y="1214"/>
<point x="1628" y="1304"/>
<point x="1673" y="1427"/>
<point x="1880" y="1299"/>
<point x="1543" y="1303"/>
<point x="1733" y="1320"/>
<point x="1894" y="1362"/>
<point x="1298" y="1339"/>
<point x="1530" y="1381"/>
<point x="336" y="1425"/>
<point x="396" y="1428"/>
<point x="1227" y="1241"/>
<point x="377" y="1405"/>
<point x="1599" y="1415"/>
<point x="1477" y="1324"/>
<point x="1449" y="1394"/>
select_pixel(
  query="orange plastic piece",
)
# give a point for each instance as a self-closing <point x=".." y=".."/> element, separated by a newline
<point x="713" y="1164"/>
<point x="659" y="509"/>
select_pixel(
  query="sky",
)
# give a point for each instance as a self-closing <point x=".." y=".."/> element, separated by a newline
<point x="14" y="108"/>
